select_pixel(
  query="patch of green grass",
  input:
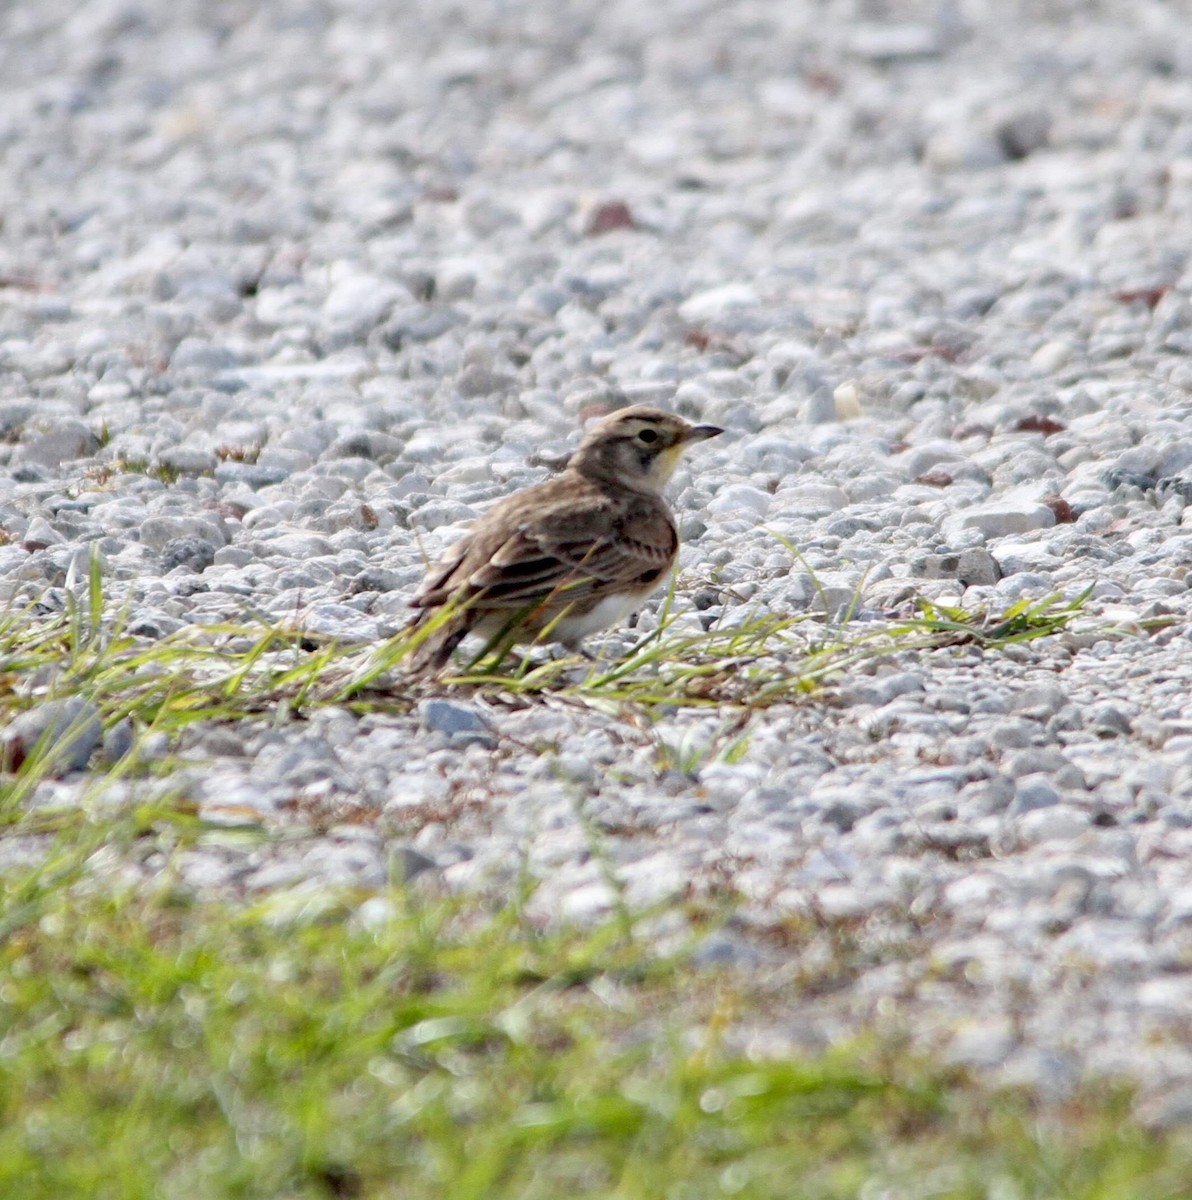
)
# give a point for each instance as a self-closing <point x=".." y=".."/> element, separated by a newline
<point x="246" y="453"/>
<point x="213" y="673"/>
<point x="162" y="472"/>
<point x="1023" y="621"/>
<point x="765" y="660"/>
<point x="153" y="1047"/>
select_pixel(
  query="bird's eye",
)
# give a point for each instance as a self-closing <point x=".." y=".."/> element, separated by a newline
<point x="648" y="436"/>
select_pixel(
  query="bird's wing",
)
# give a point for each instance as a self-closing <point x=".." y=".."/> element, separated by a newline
<point x="438" y="585"/>
<point x="557" y="546"/>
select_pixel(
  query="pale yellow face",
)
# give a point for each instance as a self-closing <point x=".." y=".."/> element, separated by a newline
<point x="665" y="463"/>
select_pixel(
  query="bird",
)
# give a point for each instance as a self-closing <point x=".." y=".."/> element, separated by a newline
<point x="569" y="556"/>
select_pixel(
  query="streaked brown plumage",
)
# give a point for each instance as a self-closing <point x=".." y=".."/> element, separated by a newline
<point x="571" y="555"/>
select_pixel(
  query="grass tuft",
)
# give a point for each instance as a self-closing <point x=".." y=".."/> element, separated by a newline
<point x="152" y="1048"/>
<point x="764" y="659"/>
<point x="233" y="672"/>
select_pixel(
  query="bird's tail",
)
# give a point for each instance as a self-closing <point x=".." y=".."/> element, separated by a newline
<point x="436" y="634"/>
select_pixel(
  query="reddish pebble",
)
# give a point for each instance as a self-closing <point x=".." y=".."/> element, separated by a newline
<point x="935" y="479"/>
<point x="1037" y="424"/>
<point x="610" y="215"/>
<point x="1149" y="296"/>
<point x="1062" y="509"/>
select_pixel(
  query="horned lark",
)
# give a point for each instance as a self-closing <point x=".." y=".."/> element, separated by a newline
<point x="569" y="556"/>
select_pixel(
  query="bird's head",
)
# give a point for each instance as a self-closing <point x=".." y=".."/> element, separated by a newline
<point x="638" y="447"/>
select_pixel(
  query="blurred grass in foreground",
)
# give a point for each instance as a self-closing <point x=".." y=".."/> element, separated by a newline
<point x="402" y="1047"/>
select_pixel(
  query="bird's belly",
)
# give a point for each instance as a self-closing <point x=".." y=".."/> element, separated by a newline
<point x="572" y="629"/>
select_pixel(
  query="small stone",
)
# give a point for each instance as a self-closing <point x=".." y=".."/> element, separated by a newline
<point x="486" y="217"/>
<point x="13" y="415"/>
<point x="820" y="408"/>
<point x="1001" y="517"/>
<point x="253" y="475"/>
<point x="158" y="532"/>
<point x="958" y="145"/>
<point x="984" y="1044"/>
<point x="68" y="440"/>
<point x="41" y="534"/>
<point x="1168" y="1108"/>
<point x="812" y="500"/>
<point x="607" y="216"/>
<point x="741" y="500"/>
<point x="898" y="683"/>
<point x="842" y="812"/>
<point x="1013" y="734"/>
<point x="1036" y="760"/>
<point x="118" y="741"/>
<point x="987" y="796"/>
<point x="1058" y="822"/>
<point x="1040" y="701"/>
<point x="847" y="402"/>
<point x="422" y="323"/>
<point x="67" y="732"/>
<point x="717" y="302"/>
<point x="455" y="720"/>
<point x="725" y="949"/>
<point x="883" y="42"/>
<point x="1022" y="133"/>
<point x="377" y="913"/>
<point x="307" y="763"/>
<point x="342" y="624"/>
<point x="196" y="357"/>
<point x="191" y="552"/>
<point x="978" y="568"/>
<point x="919" y="460"/>
<point x="406" y="863"/>
<point x="476" y="381"/>
<point x="188" y="460"/>
<point x="1107" y="720"/>
<point x="1034" y="792"/>
<point x="376" y="579"/>
<point x="360" y="301"/>
<point x="455" y="279"/>
<point x="1051" y="356"/>
<point x="233" y="556"/>
<point x="972" y="568"/>
<point x="366" y="443"/>
<point x="153" y="625"/>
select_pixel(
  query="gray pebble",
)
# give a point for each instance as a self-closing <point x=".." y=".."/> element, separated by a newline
<point x="118" y="741"/>
<point x="66" y="732"/>
<point x="406" y="863"/>
<point x="190" y="552"/>
<point x="63" y="441"/>
<point x="1033" y="792"/>
<point x="456" y="720"/>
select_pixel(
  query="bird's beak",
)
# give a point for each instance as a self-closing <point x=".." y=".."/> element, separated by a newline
<point x="701" y="433"/>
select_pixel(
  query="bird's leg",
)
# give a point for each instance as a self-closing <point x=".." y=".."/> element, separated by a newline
<point x="442" y="654"/>
<point x="523" y="660"/>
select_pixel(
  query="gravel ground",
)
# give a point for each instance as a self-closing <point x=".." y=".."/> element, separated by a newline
<point x="289" y="290"/>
